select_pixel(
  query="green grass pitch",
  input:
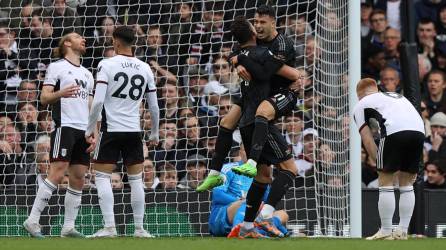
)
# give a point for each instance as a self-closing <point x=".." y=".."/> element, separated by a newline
<point x="208" y="243"/>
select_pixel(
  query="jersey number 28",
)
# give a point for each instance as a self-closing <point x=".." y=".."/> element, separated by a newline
<point x="137" y="82"/>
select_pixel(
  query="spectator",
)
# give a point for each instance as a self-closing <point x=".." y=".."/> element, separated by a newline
<point x="306" y="158"/>
<point x="65" y="19"/>
<point x="156" y="49"/>
<point x="190" y="143"/>
<point x="28" y="119"/>
<point x="223" y="75"/>
<point x="208" y="106"/>
<point x="45" y="121"/>
<point x="28" y="92"/>
<point x="435" y="172"/>
<point x="15" y="163"/>
<point x="294" y="125"/>
<point x="35" y="54"/>
<point x="169" y="101"/>
<point x="374" y="62"/>
<point x="390" y="80"/>
<point x="167" y="148"/>
<point x="9" y="77"/>
<point x="167" y="176"/>
<point x="207" y="36"/>
<point x="326" y="159"/>
<point x="297" y="28"/>
<point x="435" y="98"/>
<point x="437" y="148"/>
<point x="161" y="74"/>
<point x="196" y="169"/>
<point x="102" y="40"/>
<point x="366" y="10"/>
<point x="424" y="67"/>
<point x="196" y="79"/>
<point x="180" y="30"/>
<point x="378" y="24"/>
<point x="116" y="181"/>
<point x="426" y="33"/>
<point x="441" y="24"/>
<point x="151" y="181"/>
<point x="392" y="38"/>
<point x="427" y="9"/>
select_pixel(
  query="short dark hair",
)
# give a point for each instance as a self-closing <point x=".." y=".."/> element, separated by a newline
<point x="241" y="30"/>
<point x="125" y="34"/>
<point x="266" y="10"/>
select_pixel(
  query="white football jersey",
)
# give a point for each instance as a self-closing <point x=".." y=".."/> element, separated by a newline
<point x="127" y="79"/>
<point x="392" y="112"/>
<point x="70" y="112"/>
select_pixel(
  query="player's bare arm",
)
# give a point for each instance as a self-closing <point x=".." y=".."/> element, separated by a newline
<point x="49" y="96"/>
<point x="369" y="142"/>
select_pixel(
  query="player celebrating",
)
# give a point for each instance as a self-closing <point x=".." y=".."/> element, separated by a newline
<point x="261" y="64"/>
<point x="228" y="204"/>
<point x="282" y="102"/>
<point x="121" y="83"/>
<point x="400" y="149"/>
<point x="67" y="87"/>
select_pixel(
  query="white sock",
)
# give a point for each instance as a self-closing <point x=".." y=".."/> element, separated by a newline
<point x="106" y="199"/>
<point x="73" y="200"/>
<point x="267" y="211"/>
<point x="248" y="225"/>
<point x="44" y="194"/>
<point x="252" y="162"/>
<point x="386" y="207"/>
<point x="214" y="172"/>
<point x="406" y="205"/>
<point x="137" y="199"/>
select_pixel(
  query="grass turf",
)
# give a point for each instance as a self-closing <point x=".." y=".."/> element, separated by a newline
<point x="207" y="243"/>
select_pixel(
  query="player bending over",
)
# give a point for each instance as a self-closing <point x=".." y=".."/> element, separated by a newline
<point x="399" y="152"/>
<point x="121" y="83"/>
<point x="281" y="101"/>
<point x="67" y="87"/>
<point x="228" y="204"/>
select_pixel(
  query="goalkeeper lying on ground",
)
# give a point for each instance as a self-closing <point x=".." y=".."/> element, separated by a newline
<point x="228" y="204"/>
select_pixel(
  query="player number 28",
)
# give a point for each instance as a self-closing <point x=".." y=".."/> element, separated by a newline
<point x="136" y="82"/>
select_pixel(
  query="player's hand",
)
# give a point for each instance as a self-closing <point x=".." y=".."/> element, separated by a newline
<point x="243" y="73"/>
<point x="153" y="141"/>
<point x="92" y="141"/>
<point x="5" y="147"/>
<point x="154" y="64"/>
<point x="233" y="60"/>
<point x="437" y="140"/>
<point x="69" y="91"/>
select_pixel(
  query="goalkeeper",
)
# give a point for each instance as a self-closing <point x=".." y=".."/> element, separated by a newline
<point x="282" y="101"/>
<point x="228" y="204"/>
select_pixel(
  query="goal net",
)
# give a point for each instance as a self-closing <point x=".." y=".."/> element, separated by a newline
<point x="186" y="43"/>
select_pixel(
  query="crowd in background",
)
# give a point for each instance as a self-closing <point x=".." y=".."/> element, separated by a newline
<point x="187" y="44"/>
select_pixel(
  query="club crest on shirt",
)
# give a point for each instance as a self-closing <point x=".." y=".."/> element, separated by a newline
<point x="63" y="152"/>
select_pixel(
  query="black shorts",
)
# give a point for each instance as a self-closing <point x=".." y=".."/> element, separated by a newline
<point x="401" y="151"/>
<point x="284" y="103"/>
<point x="111" y="145"/>
<point x="69" y="144"/>
<point x="276" y="148"/>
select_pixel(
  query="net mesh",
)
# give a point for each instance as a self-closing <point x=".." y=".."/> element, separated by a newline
<point x="186" y="43"/>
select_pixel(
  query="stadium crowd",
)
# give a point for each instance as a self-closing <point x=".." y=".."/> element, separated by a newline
<point x="187" y="44"/>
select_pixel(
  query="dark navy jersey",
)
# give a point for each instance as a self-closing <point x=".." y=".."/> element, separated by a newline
<point x="283" y="49"/>
<point x="262" y="65"/>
